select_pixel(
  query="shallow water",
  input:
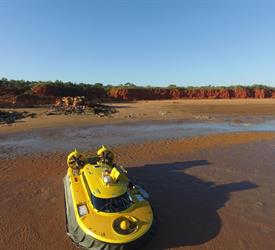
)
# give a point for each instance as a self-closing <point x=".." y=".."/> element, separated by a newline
<point x="57" y="139"/>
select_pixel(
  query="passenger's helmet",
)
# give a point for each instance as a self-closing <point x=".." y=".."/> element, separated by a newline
<point x="105" y="155"/>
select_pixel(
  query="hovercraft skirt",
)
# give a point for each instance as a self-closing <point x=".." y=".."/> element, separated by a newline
<point x="85" y="241"/>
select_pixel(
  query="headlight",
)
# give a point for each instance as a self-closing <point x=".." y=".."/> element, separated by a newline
<point x="82" y="210"/>
<point x="107" y="179"/>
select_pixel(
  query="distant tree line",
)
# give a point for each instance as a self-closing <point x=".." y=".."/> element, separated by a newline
<point x="27" y="85"/>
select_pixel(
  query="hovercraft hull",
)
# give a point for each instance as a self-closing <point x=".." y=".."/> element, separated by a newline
<point x="85" y="241"/>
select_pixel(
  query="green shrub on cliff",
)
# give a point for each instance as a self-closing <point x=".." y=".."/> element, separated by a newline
<point x="17" y="84"/>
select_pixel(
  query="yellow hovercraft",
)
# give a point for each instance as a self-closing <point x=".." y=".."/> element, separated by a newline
<point x="104" y="209"/>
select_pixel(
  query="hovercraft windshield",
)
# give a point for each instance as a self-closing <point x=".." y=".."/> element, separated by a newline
<point x="112" y="205"/>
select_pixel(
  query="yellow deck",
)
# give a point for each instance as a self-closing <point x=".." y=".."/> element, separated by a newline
<point x="99" y="224"/>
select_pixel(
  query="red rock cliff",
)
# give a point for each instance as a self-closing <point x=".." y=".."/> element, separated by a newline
<point x="190" y="93"/>
<point x="63" y="90"/>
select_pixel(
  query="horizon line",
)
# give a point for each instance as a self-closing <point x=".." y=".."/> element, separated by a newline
<point x="145" y="84"/>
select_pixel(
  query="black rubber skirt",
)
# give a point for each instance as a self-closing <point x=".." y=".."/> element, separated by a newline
<point x="85" y="241"/>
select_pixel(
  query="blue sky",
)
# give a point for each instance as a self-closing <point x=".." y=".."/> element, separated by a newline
<point x="139" y="41"/>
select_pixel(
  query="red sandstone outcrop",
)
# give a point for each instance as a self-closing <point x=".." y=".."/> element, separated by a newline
<point x="10" y="91"/>
<point x="71" y="101"/>
<point x="190" y="93"/>
<point x="244" y="93"/>
<point x="263" y="93"/>
<point x="63" y="90"/>
<point x="177" y="93"/>
<point x="31" y="99"/>
<point x="139" y="93"/>
<point x="163" y="93"/>
<point x="7" y="95"/>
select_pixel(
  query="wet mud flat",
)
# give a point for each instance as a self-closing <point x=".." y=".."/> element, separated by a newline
<point x="210" y="192"/>
<point x="216" y="199"/>
<point x="87" y="137"/>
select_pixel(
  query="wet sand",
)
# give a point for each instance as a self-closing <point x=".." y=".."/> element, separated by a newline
<point x="210" y="192"/>
<point x="86" y="137"/>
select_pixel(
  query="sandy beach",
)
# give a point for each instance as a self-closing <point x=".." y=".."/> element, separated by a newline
<point x="211" y="190"/>
<point x="152" y="111"/>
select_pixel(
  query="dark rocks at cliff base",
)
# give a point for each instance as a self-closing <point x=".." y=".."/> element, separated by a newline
<point x="79" y="105"/>
<point x="9" y="117"/>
